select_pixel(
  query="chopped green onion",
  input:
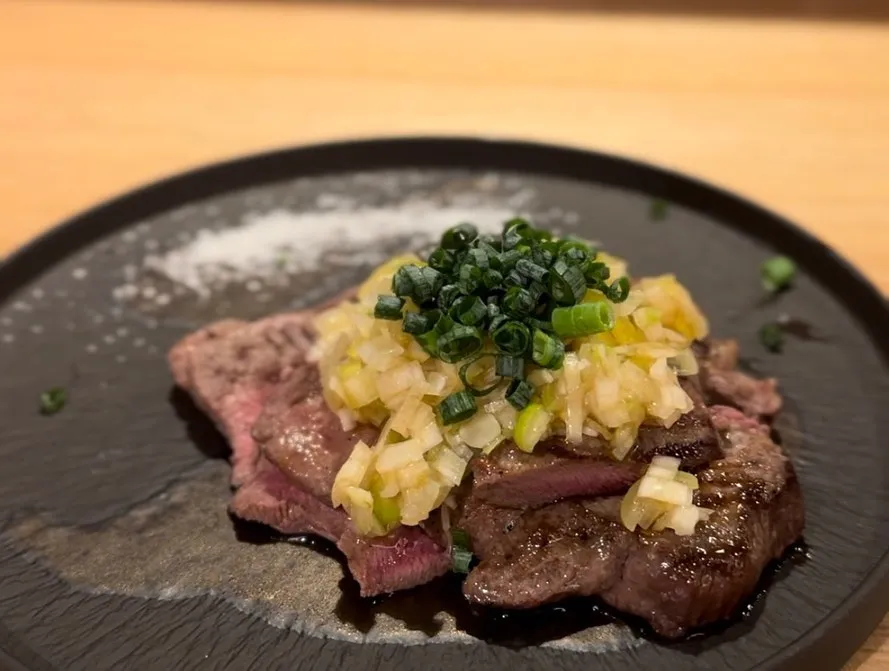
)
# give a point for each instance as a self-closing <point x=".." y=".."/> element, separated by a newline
<point x="442" y="259"/>
<point x="596" y="273"/>
<point x="514" y="232"/>
<point x="53" y="400"/>
<point x="417" y="283"/>
<point x="542" y="324"/>
<point x="461" y="559"/>
<point x="492" y="279"/>
<point x="459" y="236"/>
<point x="566" y="283"/>
<point x="457" y="407"/>
<point x="461" y="538"/>
<point x="477" y="257"/>
<point x="619" y="290"/>
<point x="777" y="273"/>
<point x="547" y="351"/>
<point x="519" y="394"/>
<point x="496" y="322"/>
<point x="507" y="260"/>
<point x="658" y="210"/>
<point x="470" y="278"/>
<point x="518" y="302"/>
<point x="468" y="310"/>
<point x="530" y="270"/>
<point x="464" y="376"/>
<point x="512" y="337"/>
<point x="415" y="323"/>
<point x="388" y="307"/>
<point x="448" y="294"/>
<point x="515" y="279"/>
<point x="458" y="343"/>
<point x="509" y="366"/>
<point x="583" y="319"/>
<point x="771" y="335"/>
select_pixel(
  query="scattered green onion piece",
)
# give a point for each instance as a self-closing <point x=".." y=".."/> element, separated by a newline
<point x="537" y="291"/>
<point x="619" y="290"/>
<point x="53" y="400"/>
<point x="464" y="376"/>
<point x="457" y="407"/>
<point x="514" y="232"/>
<point x="519" y="394"/>
<point x="510" y="366"/>
<point x="470" y="278"/>
<point x="388" y="307"/>
<point x="448" y="294"/>
<point x="530" y="270"/>
<point x="477" y="257"/>
<point x="541" y="324"/>
<point x="543" y="256"/>
<point x="442" y="259"/>
<point x="402" y="285"/>
<point x="547" y="351"/>
<point x="468" y="310"/>
<point x="512" y="337"/>
<point x="508" y="259"/>
<point x="518" y="302"/>
<point x="458" y="343"/>
<point x="441" y="324"/>
<point x="515" y="279"/>
<point x="583" y="319"/>
<point x="576" y="256"/>
<point x="415" y="323"/>
<point x="461" y="538"/>
<point x="496" y="322"/>
<point x="492" y="279"/>
<point x="658" y="210"/>
<point x="566" y="283"/>
<point x="771" y="335"/>
<point x="596" y="273"/>
<point x="777" y="273"/>
<point x="461" y="559"/>
<point x="459" y="237"/>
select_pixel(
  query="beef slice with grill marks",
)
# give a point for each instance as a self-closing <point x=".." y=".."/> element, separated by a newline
<point x="676" y="583"/>
<point x="559" y="470"/>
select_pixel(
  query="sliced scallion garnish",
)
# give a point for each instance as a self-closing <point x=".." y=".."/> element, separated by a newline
<point x="583" y="319"/>
<point x="388" y="307"/>
<point x="777" y="273"/>
<point x="457" y="407"/>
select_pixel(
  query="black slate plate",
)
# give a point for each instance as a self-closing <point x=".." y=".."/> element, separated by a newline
<point x="115" y="551"/>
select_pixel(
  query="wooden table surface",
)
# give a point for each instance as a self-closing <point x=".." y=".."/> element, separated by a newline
<point x="98" y="97"/>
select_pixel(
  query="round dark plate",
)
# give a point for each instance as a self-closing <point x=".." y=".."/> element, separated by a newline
<point x="115" y="549"/>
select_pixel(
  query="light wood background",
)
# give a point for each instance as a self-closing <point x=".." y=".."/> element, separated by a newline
<point x="98" y="97"/>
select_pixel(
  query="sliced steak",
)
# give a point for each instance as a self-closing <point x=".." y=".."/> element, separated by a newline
<point x="512" y="478"/>
<point x="255" y="381"/>
<point x="273" y="499"/>
<point x="676" y="583"/>
<point x="307" y="442"/>
<point x="405" y="558"/>
<point x="554" y="552"/>
<point x="723" y="383"/>
<point x="559" y="470"/>
<point x="231" y="368"/>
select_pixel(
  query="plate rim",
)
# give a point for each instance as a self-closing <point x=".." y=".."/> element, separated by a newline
<point x="837" y="636"/>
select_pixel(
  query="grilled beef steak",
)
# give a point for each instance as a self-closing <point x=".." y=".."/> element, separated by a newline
<point x="254" y="380"/>
<point x="545" y="525"/>
<point x="676" y="583"/>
